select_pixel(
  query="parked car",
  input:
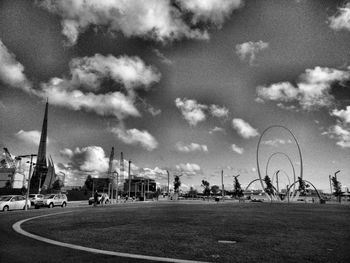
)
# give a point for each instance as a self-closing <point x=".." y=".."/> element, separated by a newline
<point x="12" y="202"/>
<point x="100" y="195"/>
<point x="34" y="198"/>
<point x="256" y="200"/>
<point x="52" y="200"/>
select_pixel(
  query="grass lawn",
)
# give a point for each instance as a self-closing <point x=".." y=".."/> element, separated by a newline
<point x="263" y="232"/>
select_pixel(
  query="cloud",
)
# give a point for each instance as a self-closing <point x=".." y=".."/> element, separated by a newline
<point x="218" y="111"/>
<point x="312" y="91"/>
<point x="160" y="20"/>
<point x="88" y="74"/>
<point x="216" y="129"/>
<point x="162" y="57"/>
<point x="132" y="72"/>
<point x="193" y="147"/>
<point x="188" y="168"/>
<point x="244" y="129"/>
<point x="343" y="115"/>
<point x="153" y="111"/>
<point x="342" y="19"/>
<point x="339" y="133"/>
<point x="84" y="88"/>
<point x="237" y="149"/>
<point x="283" y="91"/>
<point x="192" y="111"/>
<point x="215" y="11"/>
<point x="276" y="142"/>
<point x="110" y="104"/>
<point x="136" y="137"/>
<point x="250" y="49"/>
<point x="87" y="159"/>
<point x="11" y="71"/>
<point x="29" y="136"/>
<point x="156" y="173"/>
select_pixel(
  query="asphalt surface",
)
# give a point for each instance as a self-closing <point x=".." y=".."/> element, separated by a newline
<point x="16" y="248"/>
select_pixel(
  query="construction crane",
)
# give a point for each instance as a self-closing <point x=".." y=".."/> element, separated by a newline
<point x="9" y="161"/>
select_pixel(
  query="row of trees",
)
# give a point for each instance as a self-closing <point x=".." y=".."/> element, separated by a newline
<point x="207" y="190"/>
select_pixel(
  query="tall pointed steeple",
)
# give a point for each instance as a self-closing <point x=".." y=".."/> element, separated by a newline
<point x="41" y="159"/>
<point x="40" y="169"/>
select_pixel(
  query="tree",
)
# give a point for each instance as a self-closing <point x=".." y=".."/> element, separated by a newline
<point x="237" y="191"/>
<point x="177" y="183"/>
<point x="89" y="183"/>
<point x="302" y="186"/>
<point x="192" y="192"/>
<point x="206" y="190"/>
<point x="215" y="189"/>
<point x="337" y="188"/>
<point x="57" y="185"/>
<point x="269" y="187"/>
<point x="8" y="184"/>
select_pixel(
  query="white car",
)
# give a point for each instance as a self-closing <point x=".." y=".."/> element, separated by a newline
<point x="52" y="200"/>
<point x="12" y="202"/>
<point x="34" y="198"/>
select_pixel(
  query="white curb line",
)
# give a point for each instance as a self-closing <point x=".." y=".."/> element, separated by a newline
<point x="17" y="227"/>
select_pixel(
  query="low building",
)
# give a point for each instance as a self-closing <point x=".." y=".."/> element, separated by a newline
<point x="11" y="179"/>
<point x="139" y="186"/>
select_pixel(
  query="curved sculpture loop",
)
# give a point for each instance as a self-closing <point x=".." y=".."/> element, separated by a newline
<point x="290" y="161"/>
<point x="258" y="147"/>
<point x="317" y="192"/>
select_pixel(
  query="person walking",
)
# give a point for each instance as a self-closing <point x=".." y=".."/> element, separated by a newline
<point x="102" y="201"/>
<point x="95" y="198"/>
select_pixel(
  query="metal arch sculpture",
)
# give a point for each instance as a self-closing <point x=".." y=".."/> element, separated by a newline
<point x="290" y="161"/>
<point x="318" y="193"/>
<point x="258" y="179"/>
<point x="277" y="188"/>
<point x="257" y="151"/>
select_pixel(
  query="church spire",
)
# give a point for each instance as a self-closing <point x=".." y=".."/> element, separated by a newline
<point x="41" y="159"/>
<point x="40" y="169"/>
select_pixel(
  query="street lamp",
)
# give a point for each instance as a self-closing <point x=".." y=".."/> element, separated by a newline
<point x="29" y="175"/>
<point x="115" y="172"/>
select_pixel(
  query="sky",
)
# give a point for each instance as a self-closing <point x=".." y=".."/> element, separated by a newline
<point x="188" y="86"/>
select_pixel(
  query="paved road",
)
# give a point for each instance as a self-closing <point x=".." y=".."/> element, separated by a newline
<point x="15" y="248"/>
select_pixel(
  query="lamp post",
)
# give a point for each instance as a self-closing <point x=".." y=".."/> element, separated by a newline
<point x="222" y="186"/>
<point x="29" y="175"/>
<point x="336" y="179"/>
<point x="168" y="183"/>
<point x="115" y="172"/>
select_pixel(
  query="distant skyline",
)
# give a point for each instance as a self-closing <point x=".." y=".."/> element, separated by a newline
<point x="186" y="86"/>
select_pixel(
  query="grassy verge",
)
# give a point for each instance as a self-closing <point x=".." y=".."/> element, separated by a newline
<point x="264" y="232"/>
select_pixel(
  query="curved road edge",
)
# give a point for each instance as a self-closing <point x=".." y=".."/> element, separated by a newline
<point x="17" y="227"/>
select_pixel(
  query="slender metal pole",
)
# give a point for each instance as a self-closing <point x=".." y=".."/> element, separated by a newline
<point x="117" y="195"/>
<point x="30" y="171"/>
<point x="143" y="187"/>
<point x="135" y="188"/>
<point x="39" y="188"/>
<point x="168" y="183"/>
<point x="222" y="184"/>
<point x="130" y="179"/>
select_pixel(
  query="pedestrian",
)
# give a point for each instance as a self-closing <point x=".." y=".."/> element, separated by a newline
<point x="95" y="198"/>
<point x="102" y="199"/>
